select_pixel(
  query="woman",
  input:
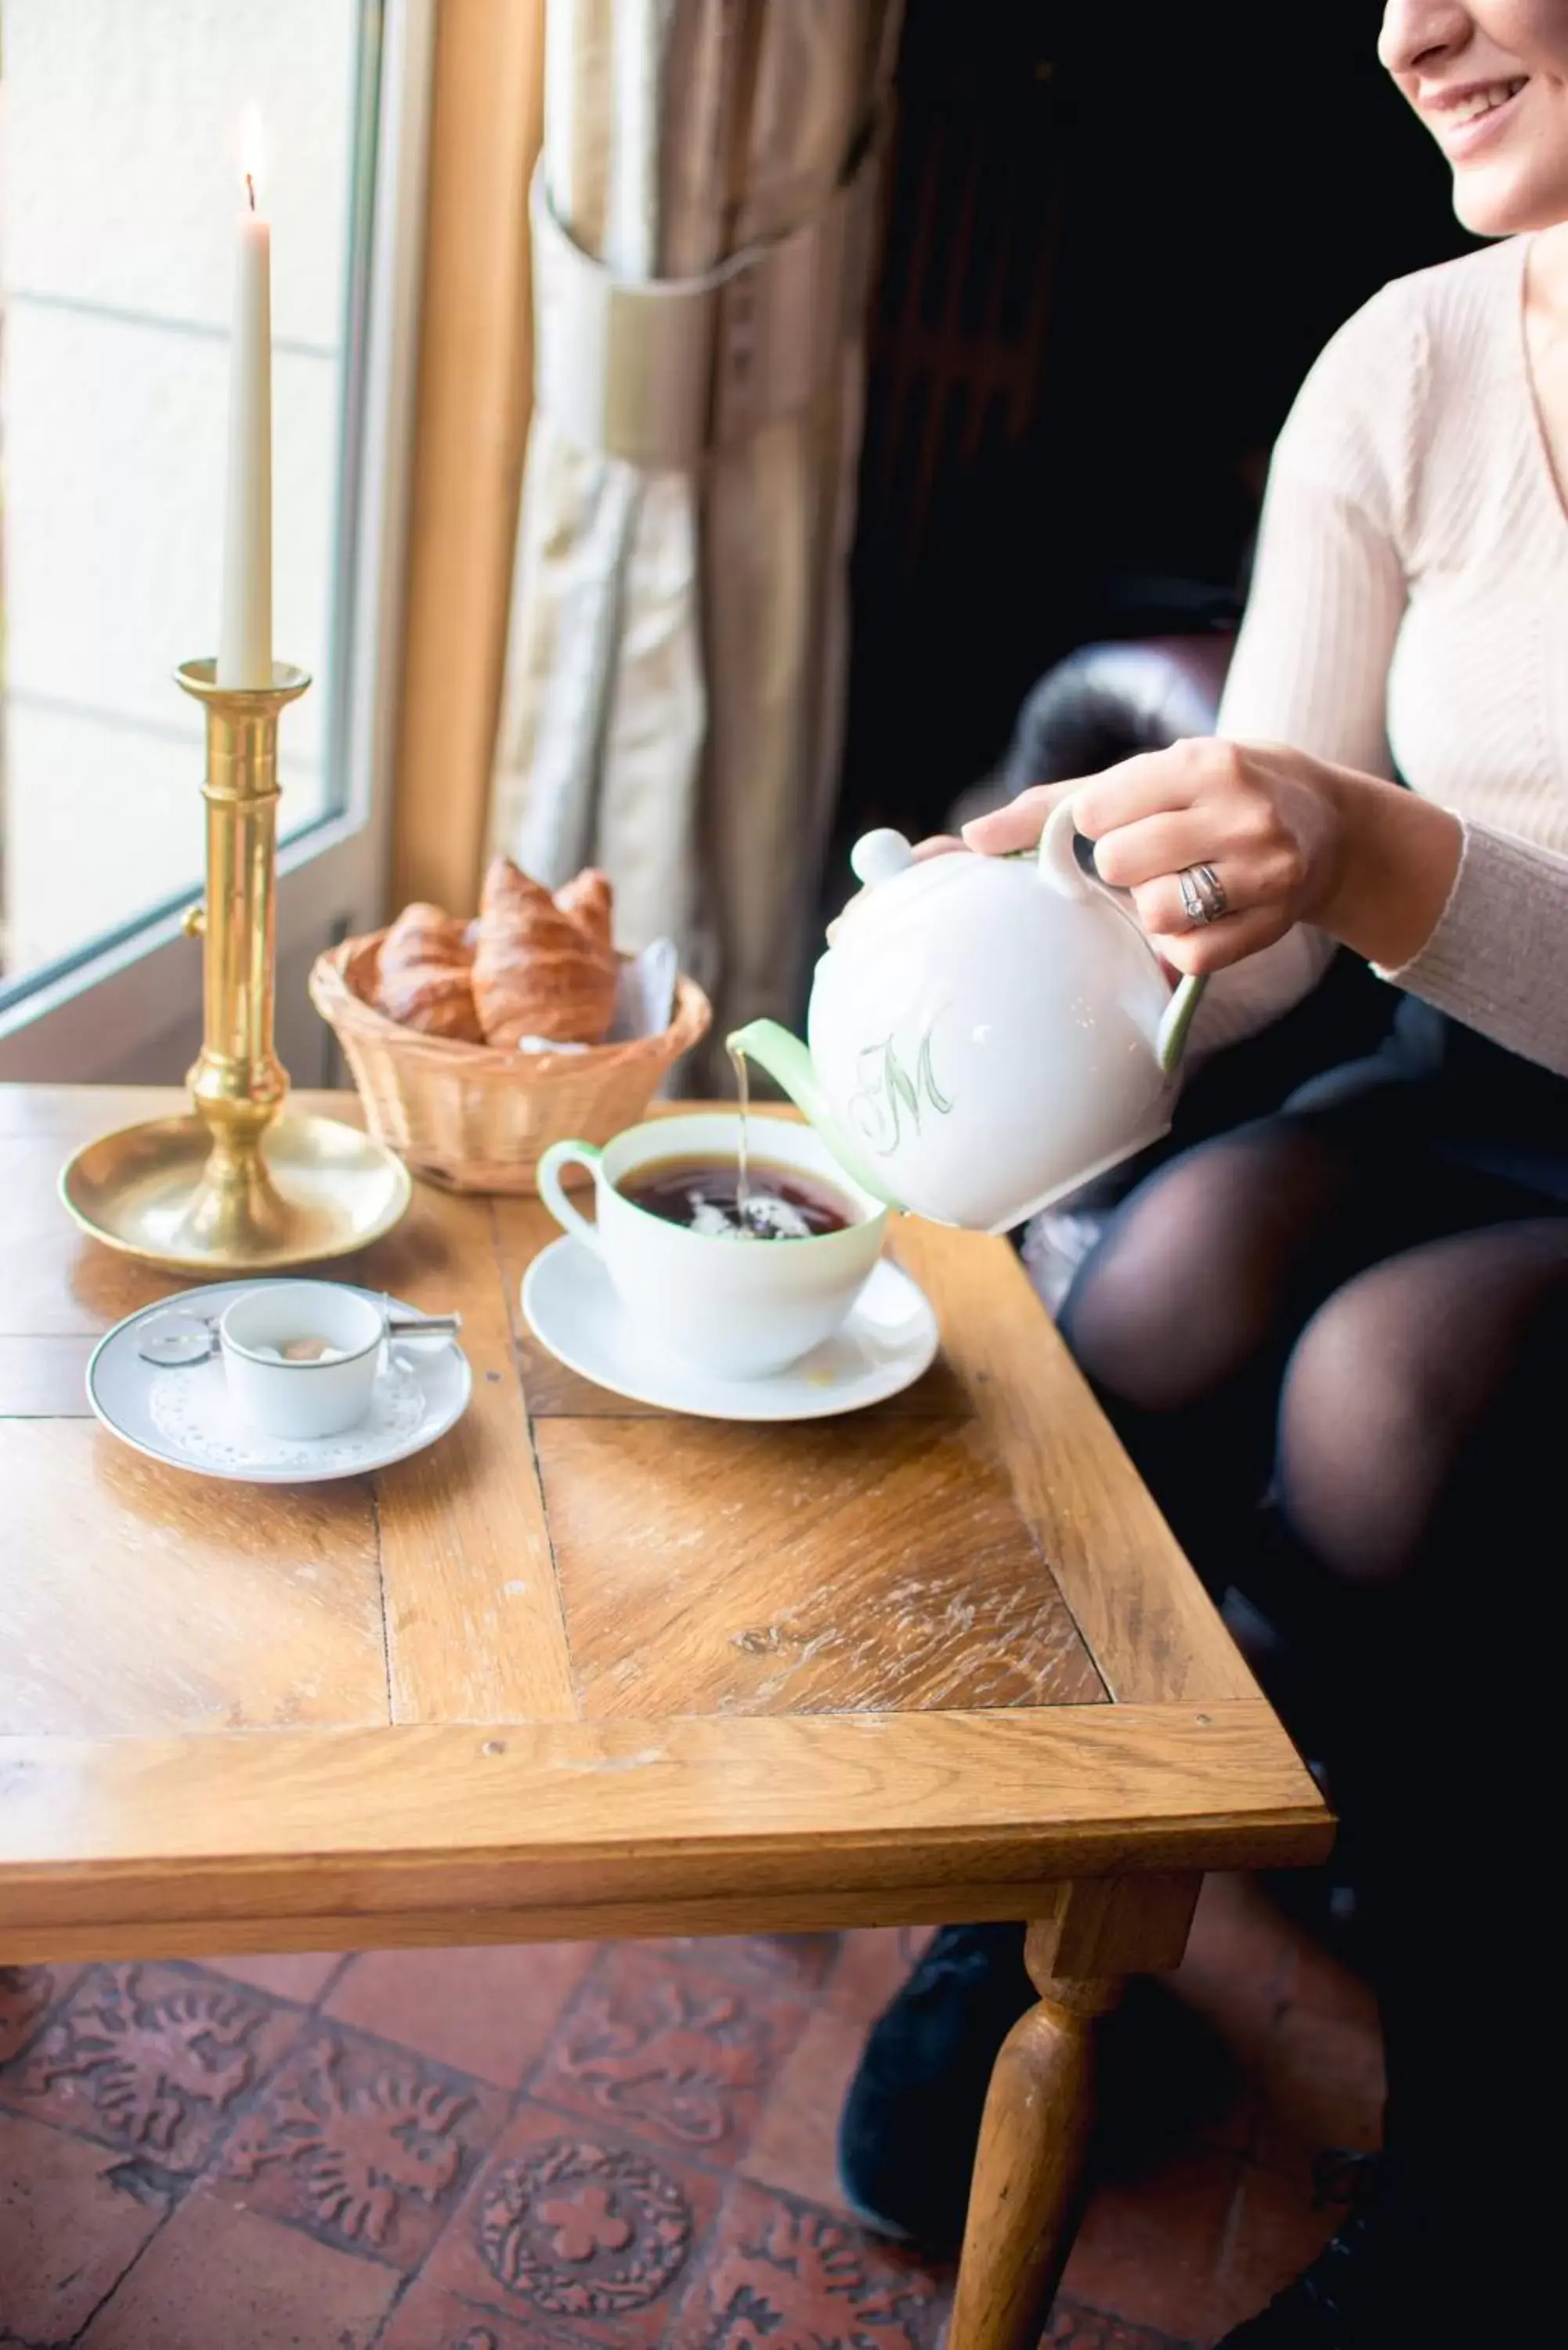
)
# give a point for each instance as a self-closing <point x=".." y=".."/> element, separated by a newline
<point x="1336" y="1340"/>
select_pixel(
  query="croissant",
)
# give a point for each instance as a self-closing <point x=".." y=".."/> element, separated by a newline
<point x="425" y="975"/>
<point x="540" y="969"/>
<point x="589" y="900"/>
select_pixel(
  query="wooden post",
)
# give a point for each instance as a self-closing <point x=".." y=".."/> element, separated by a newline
<point x="473" y="400"/>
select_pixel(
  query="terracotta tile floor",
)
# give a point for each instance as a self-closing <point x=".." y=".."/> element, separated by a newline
<point x="628" y="2144"/>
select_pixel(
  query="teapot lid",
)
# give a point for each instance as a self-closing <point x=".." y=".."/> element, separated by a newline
<point x="891" y="875"/>
<point x="877" y="856"/>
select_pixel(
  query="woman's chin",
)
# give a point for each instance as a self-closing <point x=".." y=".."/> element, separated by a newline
<point x="1495" y="200"/>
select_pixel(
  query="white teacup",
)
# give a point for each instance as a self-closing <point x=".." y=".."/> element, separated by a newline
<point x="736" y="1307"/>
<point x="297" y="1400"/>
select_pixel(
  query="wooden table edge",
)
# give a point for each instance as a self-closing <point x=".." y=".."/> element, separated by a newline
<point x="219" y="1932"/>
<point x="495" y="1832"/>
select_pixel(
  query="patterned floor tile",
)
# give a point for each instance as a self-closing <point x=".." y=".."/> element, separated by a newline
<point x="1152" y="2256"/>
<point x="488" y="2012"/>
<point x="874" y="1961"/>
<point x="1325" y="1986"/>
<point x="670" y="2049"/>
<point x="1075" y="2327"/>
<point x="782" y="2273"/>
<point x="301" y="1975"/>
<point x="427" y="2319"/>
<point x="68" y="2231"/>
<point x="1240" y="1965"/>
<point x="328" y="2150"/>
<point x="1321" y="2086"/>
<point x="579" y="2227"/>
<point x="368" y="2147"/>
<point x="794" y="1962"/>
<point x="26" y="1995"/>
<point x="794" y="2147"/>
<point x="151" y="2060"/>
<point x="1274" y="2231"/>
<point x="218" y="2279"/>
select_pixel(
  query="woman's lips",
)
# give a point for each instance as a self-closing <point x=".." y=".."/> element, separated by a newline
<point x="1462" y="139"/>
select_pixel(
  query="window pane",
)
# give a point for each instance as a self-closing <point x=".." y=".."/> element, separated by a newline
<point x="118" y="146"/>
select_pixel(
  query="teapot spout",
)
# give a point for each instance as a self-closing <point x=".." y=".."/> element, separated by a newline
<point x="788" y="1063"/>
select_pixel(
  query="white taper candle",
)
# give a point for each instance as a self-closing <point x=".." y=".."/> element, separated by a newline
<point x="244" y="628"/>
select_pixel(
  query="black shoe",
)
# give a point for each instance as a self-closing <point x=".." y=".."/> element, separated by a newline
<point x="1342" y="2302"/>
<point x="911" y="2120"/>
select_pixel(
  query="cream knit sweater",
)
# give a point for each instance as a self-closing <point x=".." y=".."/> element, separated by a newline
<point x="1410" y="617"/>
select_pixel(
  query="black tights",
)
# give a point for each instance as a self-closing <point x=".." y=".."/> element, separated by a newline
<point x="1369" y="1340"/>
<point x="1337" y="1358"/>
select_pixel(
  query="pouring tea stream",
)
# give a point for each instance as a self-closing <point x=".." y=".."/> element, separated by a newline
<point x="985" y="1034"/>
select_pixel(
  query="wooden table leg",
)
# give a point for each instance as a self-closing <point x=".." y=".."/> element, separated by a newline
<point x="1029" y="2165"/>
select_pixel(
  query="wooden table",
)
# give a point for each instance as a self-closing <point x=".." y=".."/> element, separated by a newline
<point x="584" y="1669"/>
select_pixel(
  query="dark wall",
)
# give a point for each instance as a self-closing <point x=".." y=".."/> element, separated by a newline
<point x="1116" y="238"/>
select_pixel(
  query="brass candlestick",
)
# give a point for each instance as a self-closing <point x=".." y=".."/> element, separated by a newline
<point x="237" y="1188"/>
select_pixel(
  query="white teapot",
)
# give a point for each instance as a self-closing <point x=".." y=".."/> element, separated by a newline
<point x="986" y="1034"/>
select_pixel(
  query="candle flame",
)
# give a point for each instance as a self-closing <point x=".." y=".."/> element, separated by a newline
<point x="252" y="152"/>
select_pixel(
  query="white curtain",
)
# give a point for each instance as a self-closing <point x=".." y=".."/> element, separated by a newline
<point x="704" y="225"/>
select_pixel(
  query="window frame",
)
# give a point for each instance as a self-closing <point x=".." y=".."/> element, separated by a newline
<point x="130" y="1004"/>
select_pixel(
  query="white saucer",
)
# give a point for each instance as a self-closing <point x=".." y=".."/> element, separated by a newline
<point x="182" y="1416"/>
<point x="889" y="1338"/>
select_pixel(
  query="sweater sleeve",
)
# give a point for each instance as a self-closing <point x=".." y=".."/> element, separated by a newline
<point x="1498" y="960"/>
<point x="1311" y="666"/>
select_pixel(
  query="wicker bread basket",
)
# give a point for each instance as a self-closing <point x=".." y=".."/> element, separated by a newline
<point x="477" y="1117"/>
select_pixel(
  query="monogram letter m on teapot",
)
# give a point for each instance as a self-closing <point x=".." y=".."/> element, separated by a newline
<point x="986" y="1035"/>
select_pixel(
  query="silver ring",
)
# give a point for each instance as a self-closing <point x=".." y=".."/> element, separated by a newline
<point x="1203" y="897"/>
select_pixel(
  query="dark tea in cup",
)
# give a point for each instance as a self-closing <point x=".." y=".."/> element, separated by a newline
<point x="724" y="1307"/>
<point x="716" y="1198"/>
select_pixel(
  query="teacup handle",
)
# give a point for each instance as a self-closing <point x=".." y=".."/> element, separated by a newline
<point x="1060" y="867"/>
<point x="553" y="1192"/>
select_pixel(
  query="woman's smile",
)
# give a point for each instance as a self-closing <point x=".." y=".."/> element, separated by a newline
<point x="1472" y="115"/>
<point x="1489" y="81"/>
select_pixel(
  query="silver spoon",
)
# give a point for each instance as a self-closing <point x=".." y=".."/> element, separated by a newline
<point x="176" y="1341"/>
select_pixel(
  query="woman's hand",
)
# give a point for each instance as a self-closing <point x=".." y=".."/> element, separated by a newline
<point x="1289" y="838"/>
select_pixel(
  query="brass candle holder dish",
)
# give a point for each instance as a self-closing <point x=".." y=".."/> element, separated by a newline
<point x="237" y="1186"/>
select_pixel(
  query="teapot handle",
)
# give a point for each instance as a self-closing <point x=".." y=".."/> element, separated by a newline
<point x="1059" y="867"/>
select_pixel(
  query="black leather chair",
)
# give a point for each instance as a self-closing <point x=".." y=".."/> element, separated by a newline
<point x="1103" y="703"/>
